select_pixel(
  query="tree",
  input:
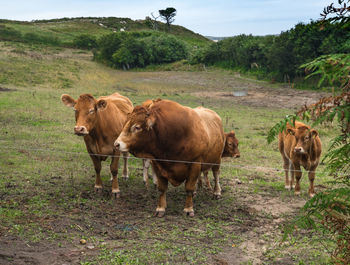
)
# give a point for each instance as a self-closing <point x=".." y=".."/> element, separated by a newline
<point x="340" y="12"/>
<point x="168" y="15"/>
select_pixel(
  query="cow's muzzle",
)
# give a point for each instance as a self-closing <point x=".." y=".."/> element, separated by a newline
<point x="299" y="150"/>
<point x="120" y="146"/>
<point x="81" y="130"/>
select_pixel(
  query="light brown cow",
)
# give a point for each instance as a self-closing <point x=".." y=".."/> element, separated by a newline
<point x="230" y="150"/>
<point x="299" y="146"/>
<point x="100" y="121"/>
<point x="168" y="131"/>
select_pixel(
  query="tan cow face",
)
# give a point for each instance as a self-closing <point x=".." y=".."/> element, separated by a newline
<point x="85" y="108"/>
<point x="303" y="139"/>
<point x="231" y="145"/>
<point x="136" y="132"/>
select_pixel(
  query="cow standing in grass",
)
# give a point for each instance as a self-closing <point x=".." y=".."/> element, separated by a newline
<point x="100" y="122"/>
<point x="299" y="146"/>
<point x="167" y="131"/>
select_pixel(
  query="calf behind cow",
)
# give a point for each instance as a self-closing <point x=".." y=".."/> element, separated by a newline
<point x="167" y="131"/>
<point x="299" y="146"/>
<point x="100" y="121"/>
<point x="230" y="150"/>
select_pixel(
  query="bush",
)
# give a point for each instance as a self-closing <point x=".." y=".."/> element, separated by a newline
<point x="128" y="50"/>
<point x="85" y="41"/>
<point x="166" y="49"/>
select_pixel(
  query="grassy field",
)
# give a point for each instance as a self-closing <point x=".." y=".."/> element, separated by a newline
<point x="47" y="201"/>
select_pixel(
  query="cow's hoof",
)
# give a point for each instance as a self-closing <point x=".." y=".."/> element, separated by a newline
<point x="217" y="196"/>
<point x="297" y="193"/>
<point x="287" y="187"/>
<point x="145" y="183"/>
<point x="190" y="214"/>
<point x="98" y="189"/>
<point x="159" y="214"/>
<point x="116" y="195"/>
<point x="126" y="177"/>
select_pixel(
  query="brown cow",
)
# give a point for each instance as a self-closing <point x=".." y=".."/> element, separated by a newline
<point x="230" y="150"/>
<point x="299" y="146"/>
<point x="168" y="131"/>
<point x="100" y="121"/>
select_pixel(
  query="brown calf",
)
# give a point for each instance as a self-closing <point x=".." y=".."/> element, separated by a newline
<point x="299" y="146"/>
<point x="230" y="150"/>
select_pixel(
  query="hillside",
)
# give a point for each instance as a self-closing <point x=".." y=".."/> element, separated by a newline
<point x="66" y="29"/>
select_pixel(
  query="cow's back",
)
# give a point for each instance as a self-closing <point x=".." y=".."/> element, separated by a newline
<point x="123" y="104"/>
<point x="180" y="129"/>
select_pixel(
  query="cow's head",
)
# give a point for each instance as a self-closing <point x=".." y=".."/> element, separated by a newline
<point x="231" y="145"/>
<point x="85" y="108"/>
<point x="136" y="132"/>
<point x="304" y="137"/>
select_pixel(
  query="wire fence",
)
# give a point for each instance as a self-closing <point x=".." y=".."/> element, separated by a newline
<point x="224" y="164"/>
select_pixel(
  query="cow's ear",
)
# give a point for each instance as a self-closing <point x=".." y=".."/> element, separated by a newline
<point x="150" y="121"/>
<point x="101" y="104"/>
<point x="290" y="131"/>
<point x="68" y="100"/>
<point x="313" y="133"/>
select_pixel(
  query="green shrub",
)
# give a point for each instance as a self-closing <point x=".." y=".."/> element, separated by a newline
<point x="85" y="41"/>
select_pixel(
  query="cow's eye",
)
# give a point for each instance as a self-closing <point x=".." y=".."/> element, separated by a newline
<point x="306" y="138"/>
<point x="91" y="111"/>
<point x="137" y="128"/>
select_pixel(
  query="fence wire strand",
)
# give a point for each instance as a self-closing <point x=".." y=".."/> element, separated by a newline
<point x="225" y="165"/>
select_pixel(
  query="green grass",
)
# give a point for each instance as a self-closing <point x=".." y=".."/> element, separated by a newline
<point x="46" y="184"/>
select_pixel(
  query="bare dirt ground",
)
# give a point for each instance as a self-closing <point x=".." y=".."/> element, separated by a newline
<point x="264" y="96"/>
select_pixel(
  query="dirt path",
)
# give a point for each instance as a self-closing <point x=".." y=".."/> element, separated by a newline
<point x="262" y="233"/>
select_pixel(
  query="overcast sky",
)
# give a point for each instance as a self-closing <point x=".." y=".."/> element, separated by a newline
<point x="209" y="18"/>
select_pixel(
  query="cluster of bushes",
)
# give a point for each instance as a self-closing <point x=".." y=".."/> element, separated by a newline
<point x="139" y="49"/>
<point x="278" y="56"/>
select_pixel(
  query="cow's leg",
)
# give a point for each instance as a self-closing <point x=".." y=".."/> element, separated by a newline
<point x="312" y="174"/>
<point x="217" y="188"/>
<point x="97" y="164"/>
<point x="286" y="166"/>
<point x="154" y="176"/>
<point x="292" y="173"/>
<point x="145" y="165"/>
<point x="297" y="173"/>
<point x="200" y="181"/>
<point x="114" y="171"/>
<point x="190" y="187"/>
<point x="206" y="180"/>
<point x="162" y="187"/>
<point x="125" y="169"/>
